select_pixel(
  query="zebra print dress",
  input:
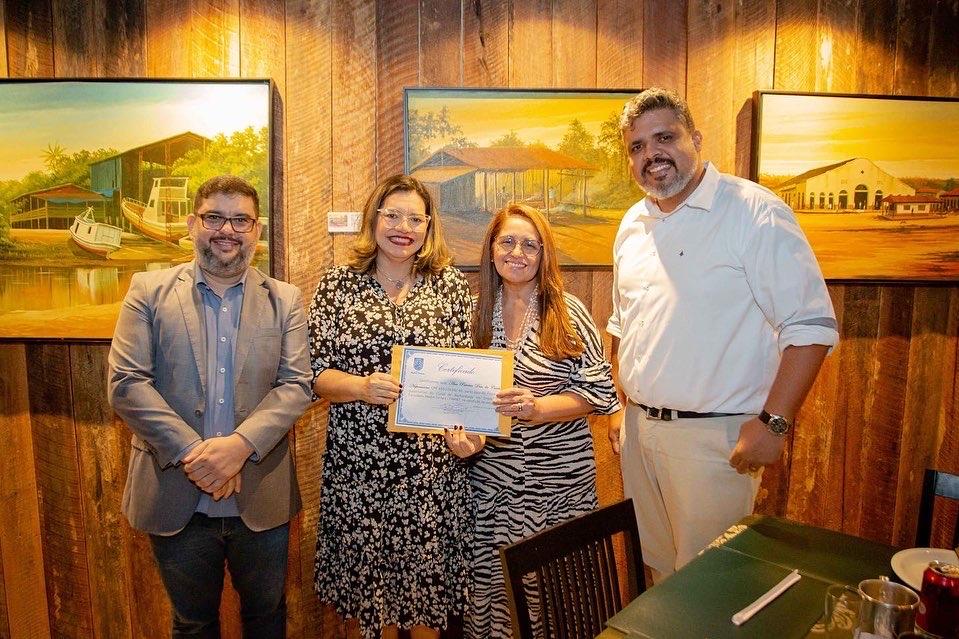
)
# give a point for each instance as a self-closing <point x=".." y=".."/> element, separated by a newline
<point x="543" y="474"/>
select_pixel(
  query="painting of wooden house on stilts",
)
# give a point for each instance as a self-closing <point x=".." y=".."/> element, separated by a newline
<point x="54" y="207"/>
<point x="484" y="179"/>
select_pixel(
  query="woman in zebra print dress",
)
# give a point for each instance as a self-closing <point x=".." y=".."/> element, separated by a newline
<point x="545" y="472"/>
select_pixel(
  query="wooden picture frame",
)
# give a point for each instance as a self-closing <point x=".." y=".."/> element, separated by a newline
<point x="874" y="180"/>
<point x="96" y="180"/>
<point x="558" y="150"/>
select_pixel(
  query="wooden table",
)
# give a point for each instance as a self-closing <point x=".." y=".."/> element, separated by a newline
<point x="752" y="556"/>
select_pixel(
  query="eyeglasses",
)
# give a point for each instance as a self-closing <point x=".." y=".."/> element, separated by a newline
<point x="215" y="222"/>
<point x="394" y="217"/>
<point x="529" y="247"/>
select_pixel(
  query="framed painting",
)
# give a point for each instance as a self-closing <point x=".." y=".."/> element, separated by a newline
<point x="874" y="180"/>
<point x="97" y="178"/>
<point x="559" y="151"/>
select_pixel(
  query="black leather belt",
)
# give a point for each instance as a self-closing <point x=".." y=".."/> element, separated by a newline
<point x="668" y="414"/>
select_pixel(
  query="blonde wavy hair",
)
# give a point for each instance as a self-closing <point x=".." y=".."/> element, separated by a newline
<point x="434" y="255"/>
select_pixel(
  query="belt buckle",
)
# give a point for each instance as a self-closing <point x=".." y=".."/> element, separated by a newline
<point x="661" y="414"/>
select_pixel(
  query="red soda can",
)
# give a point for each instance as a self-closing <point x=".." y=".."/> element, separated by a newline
<point x="939" y="600"/>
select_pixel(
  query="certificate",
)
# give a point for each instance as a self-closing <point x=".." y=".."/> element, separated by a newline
<point x="443" y="387"/>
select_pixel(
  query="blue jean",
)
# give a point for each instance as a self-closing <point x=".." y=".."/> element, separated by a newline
<point x="191" y="566"/>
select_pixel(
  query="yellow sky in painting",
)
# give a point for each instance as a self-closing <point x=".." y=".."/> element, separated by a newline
<point x="119" y="115"/>
<point x="485" y="116"/>
<point x="907" y="138"/>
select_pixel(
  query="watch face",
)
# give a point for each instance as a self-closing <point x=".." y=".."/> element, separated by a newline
<point x="778" y="424"/>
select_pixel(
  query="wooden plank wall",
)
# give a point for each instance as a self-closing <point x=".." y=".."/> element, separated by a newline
<point x="883" y="408"/>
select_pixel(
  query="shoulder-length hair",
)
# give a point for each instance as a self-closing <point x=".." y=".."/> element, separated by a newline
<point x="558" y="339"/>
<point x="434" y="255"/>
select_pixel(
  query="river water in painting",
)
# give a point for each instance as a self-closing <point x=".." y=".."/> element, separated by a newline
<point x="71" y="294"/>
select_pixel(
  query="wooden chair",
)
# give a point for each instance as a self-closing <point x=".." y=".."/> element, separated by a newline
<point x="574" y="572"/>
<point x="936" y="483"/>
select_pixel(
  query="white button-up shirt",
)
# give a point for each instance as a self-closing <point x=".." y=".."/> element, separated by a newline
<point x="706" y="298"/>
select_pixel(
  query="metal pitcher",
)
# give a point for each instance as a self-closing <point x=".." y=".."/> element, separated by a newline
<point x="887" y="610"/>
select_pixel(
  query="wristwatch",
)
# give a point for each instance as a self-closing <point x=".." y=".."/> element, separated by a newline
<point x="776" y="424"/>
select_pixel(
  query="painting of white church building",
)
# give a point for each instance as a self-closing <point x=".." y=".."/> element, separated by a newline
<point x="851" y="185"/>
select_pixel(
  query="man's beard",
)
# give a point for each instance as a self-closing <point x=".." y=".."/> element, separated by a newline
<point x="210" y="263"/>
<point x="663" y="190"/>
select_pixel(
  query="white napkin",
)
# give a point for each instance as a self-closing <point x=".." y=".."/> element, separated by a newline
<point x="746" y="613"/>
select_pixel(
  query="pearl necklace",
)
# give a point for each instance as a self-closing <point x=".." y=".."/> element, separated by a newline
<point x="397" y="283"/>
<point x="529" y="318"/>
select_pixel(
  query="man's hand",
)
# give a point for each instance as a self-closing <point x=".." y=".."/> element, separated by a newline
<point x="615" y="424"/>
<point x="215" y="461"/>
<point x="757" y="447"/>
<point x="231" y="487"/>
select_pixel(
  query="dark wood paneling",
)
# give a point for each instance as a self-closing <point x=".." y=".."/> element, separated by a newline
<point x="877" y="47"/>
<point x="755" y="52"/>
<point x="65" y="554"/>
<point x="485" y="43"/>
<point x="816" y="454"/>
<point x="214" y="42"/>
<point x="944" y="50"/>
<point x="3" y="43"/>
<point x="24" y="606"/>
<point x="530" y="39"/>
<point x="397" y="66"/>
<point x="928" y="396"/>
<point x="574" y="43"/>
<point x="169" y="24"/>
<point x="797" y="49"/>
<point x="619" y="44"/>
<point x="354" y="110"/>
<point x="664" y="45"/>
<point x="441" y="43"/>
<point x="29" y="27"/>
<point x="709" y="82"/>
<point x="913" y="25"/>
<point x="857" y="392"/>
<point x="99" y="38"/>
<point x="101" y="452"/>
<point x="309" y="197"/>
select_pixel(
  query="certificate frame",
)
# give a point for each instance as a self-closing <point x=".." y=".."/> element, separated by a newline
<point x="401" y="419"/>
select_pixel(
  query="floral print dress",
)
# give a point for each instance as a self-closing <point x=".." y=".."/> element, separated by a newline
<point x="395" y="528"/>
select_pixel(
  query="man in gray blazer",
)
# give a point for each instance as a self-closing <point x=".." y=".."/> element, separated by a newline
<point x="210" y="369"/>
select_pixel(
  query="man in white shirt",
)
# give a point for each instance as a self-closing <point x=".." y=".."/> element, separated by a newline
<point x="722" y="320"/>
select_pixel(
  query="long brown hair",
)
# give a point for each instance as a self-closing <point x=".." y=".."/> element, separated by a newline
<point x="434" y="255"/>
<point x="558" y="339"/>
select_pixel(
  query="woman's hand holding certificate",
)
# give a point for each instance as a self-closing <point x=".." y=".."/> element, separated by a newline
<point x="379" y="388"/>
<point x="516" y="402"/>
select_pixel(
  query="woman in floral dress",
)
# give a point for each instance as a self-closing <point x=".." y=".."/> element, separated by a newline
<point x="545" y="472"/>
<point x="396" y="519"/>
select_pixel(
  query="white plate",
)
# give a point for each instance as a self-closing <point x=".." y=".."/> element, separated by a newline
<point x="910" y="563"/>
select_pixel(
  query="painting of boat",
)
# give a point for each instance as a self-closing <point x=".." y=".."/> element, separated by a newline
<point x="95" y="237"/>
<point x="163" y="217"/>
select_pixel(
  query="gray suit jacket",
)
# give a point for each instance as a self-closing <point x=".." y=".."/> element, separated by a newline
<point x="157" y="385"/>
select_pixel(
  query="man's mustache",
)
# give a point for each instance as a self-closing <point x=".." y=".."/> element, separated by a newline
<point x="653" y="160"/>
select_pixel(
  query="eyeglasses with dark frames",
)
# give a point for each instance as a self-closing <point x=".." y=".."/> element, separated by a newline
<point x="394" y="217"/>
<point x="215" y="222"/>
<point x="528" y="246"/>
